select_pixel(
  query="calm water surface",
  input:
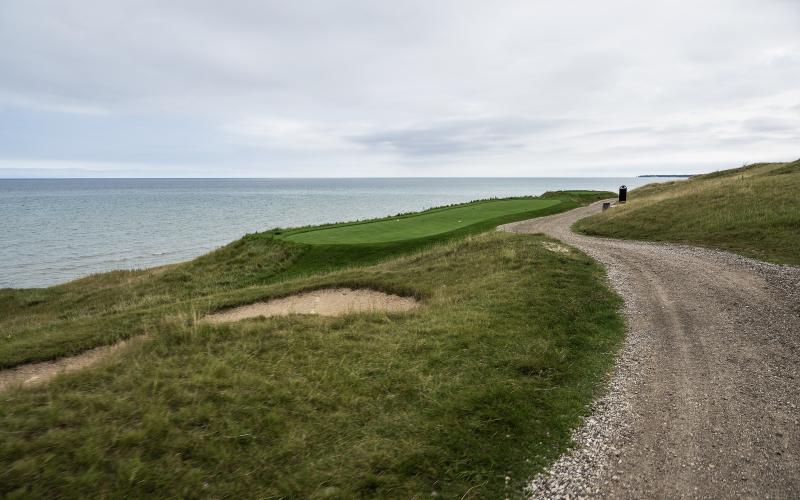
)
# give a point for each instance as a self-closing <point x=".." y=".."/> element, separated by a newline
<point x="55" y="230"/>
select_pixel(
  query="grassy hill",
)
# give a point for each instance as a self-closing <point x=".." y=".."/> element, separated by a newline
<point x="47" y="323"/>
<point x="484" y="381"/>
<point x="752" y="210"/>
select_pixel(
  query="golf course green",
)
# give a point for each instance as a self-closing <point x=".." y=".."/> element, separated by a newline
<point x="419" y="225"/>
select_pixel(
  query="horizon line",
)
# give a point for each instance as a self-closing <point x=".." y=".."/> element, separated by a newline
<point x="346" y="178"/>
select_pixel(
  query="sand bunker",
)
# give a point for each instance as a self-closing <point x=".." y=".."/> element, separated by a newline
<point x="36" y="373"/>
<point x="328" y="302"/>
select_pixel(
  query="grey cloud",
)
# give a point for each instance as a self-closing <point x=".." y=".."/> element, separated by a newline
<point x="458" y="136"/>
<point x="770" y="124"/>
<point x="636" y="130"/>
<point x="387" y="86"/>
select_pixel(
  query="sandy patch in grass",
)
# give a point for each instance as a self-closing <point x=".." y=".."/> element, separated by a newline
<point x="555" y="247"/>
<point x="327" y="302"/>
<point x="36" y="373"/>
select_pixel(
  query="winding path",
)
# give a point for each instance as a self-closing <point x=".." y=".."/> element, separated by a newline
<point x="705" y="399"/>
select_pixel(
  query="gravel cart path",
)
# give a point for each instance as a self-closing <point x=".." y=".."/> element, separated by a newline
<point x="705" y="399"/>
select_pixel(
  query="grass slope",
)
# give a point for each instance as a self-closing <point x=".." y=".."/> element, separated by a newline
<point x="484" y="381"/>
<point x="44" y="324"/>
<point x="752" y="210"/>
<point x="429" y="223"/>
<point x="319" y="257"/>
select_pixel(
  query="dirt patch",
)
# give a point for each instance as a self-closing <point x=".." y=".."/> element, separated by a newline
<point x="328" y="302"/>
<point x="36" y="373"/>
<point x="555" y="247"/>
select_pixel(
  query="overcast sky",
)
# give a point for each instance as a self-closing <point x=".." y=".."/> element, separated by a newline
<point x="406" y="88"/>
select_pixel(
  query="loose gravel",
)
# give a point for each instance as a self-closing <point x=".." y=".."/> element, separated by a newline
<point x="705" y="398"/>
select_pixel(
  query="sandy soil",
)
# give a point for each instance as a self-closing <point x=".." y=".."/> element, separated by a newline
<point x="555" y="247"/>
<point x="36" y="373"/>
<point x="705" y="399"/>
<point x="327" y="302"/>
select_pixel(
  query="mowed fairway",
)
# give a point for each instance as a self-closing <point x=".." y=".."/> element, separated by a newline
<point x="432" y="222"/>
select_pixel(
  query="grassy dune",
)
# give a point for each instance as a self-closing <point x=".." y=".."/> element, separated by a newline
<point x="752" y="210"/>
<point x="43" y="324"/>
<point x="482" y="382"/>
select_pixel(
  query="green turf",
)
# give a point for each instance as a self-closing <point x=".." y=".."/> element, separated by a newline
<point x="421" y="225"/>
<point x="43" y="324"/>
<point x="484" y="381"/>
<point x="752" y="210"/>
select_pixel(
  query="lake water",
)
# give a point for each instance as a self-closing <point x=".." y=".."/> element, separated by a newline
<point x="55" y="230"/>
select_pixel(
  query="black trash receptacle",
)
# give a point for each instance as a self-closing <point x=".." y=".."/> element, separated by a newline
<point x="623" y="194"/>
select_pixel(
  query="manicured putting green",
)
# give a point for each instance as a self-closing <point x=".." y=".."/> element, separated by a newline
<point x="428" y="223"/>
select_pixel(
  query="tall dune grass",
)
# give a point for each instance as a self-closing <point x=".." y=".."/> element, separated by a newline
<point x="752" y="210"/>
